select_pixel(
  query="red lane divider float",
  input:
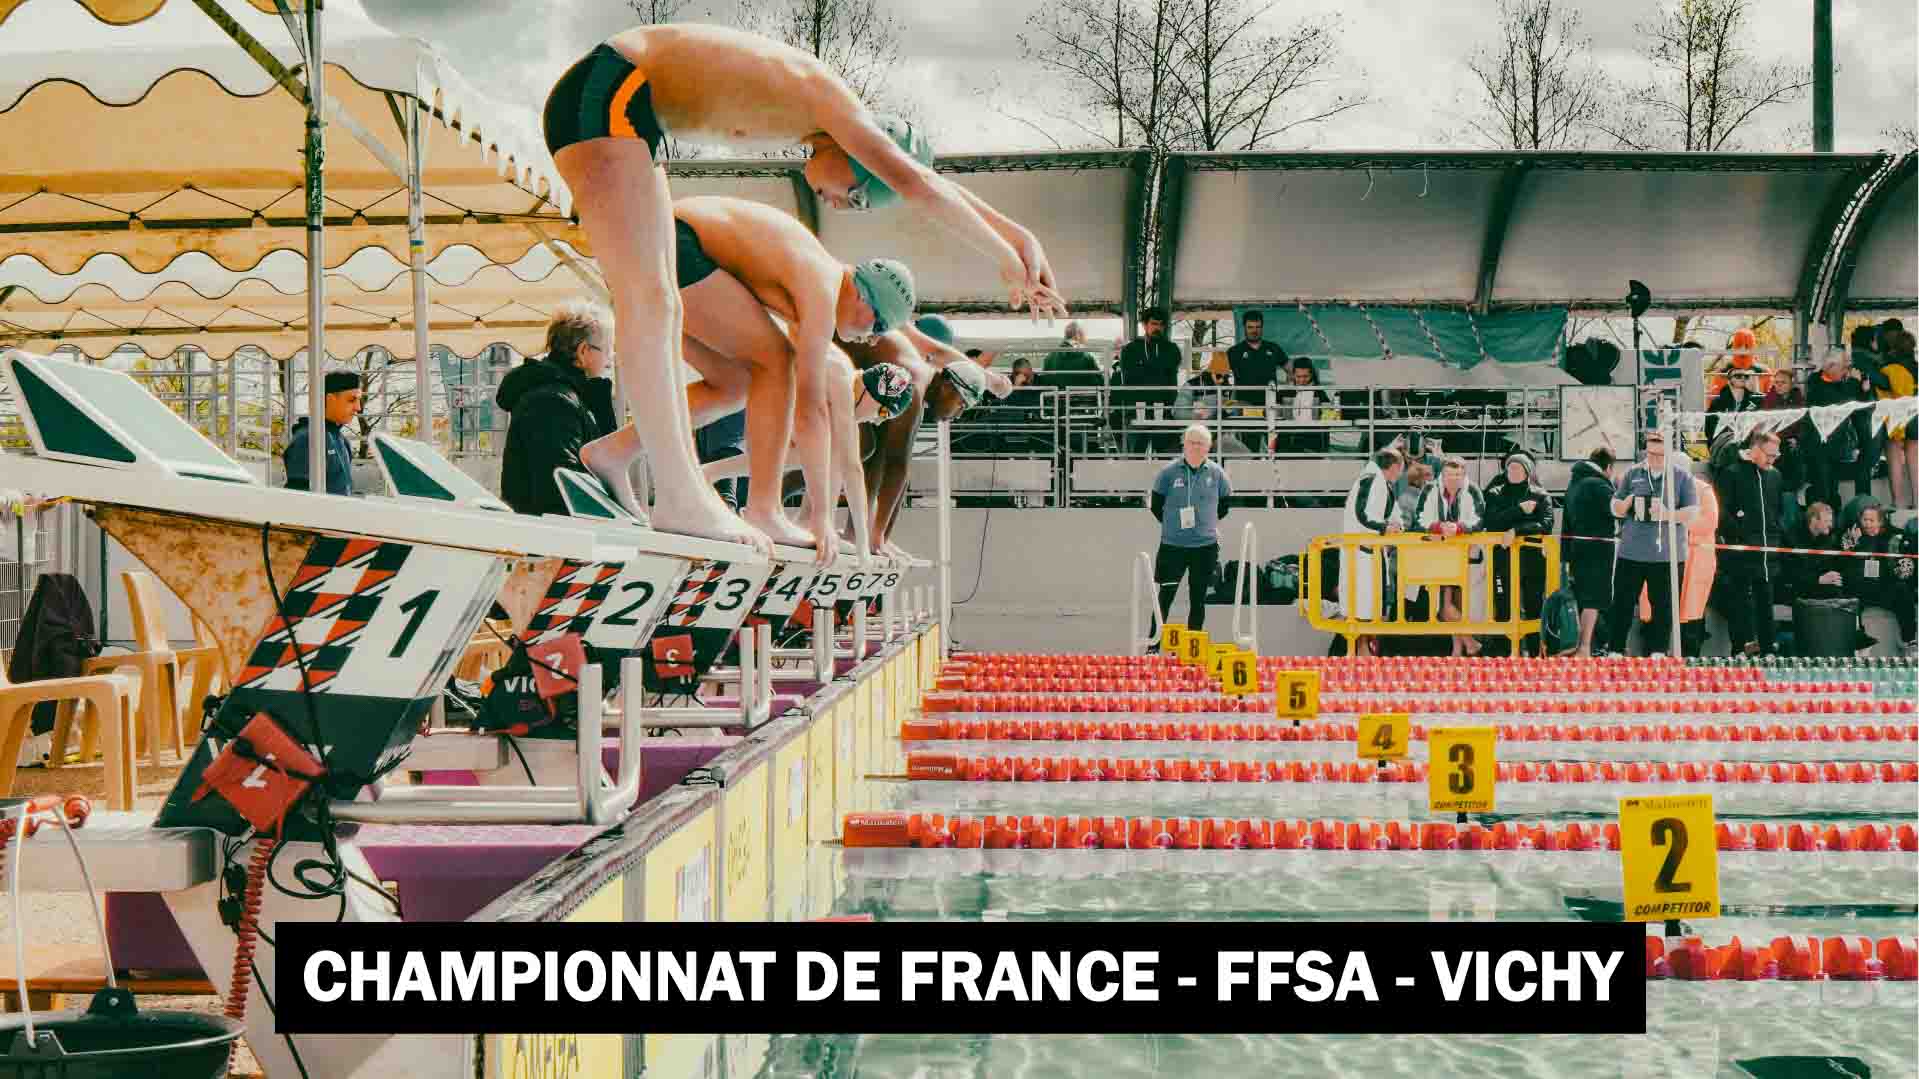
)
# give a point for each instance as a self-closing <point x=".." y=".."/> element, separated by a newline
<point x="1618" y="708"/>
<point x="1797" y="959"/>
<point x="947" y="767"/>
<point x="1194" y="680"/>
<point x="1048" y="729"/>
<point x="935" y="831"/>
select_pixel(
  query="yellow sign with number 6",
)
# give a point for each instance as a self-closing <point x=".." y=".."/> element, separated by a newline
<point x="1239" y="675"/>
<point x="1172" y="639"/>
<point x="1461" y="778"/>
<point x="1296" y="695"/>
<point x="1198" y="648"/>
<point x="1383" y="737"/>
<point x="1669" y="857"/>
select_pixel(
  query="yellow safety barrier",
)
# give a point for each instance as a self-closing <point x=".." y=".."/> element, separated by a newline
<point x="1419" y="560"/>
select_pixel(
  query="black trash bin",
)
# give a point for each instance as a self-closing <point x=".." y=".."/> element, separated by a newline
<point x="1825" y="626"/>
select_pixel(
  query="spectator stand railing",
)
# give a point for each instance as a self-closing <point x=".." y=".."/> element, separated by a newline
<point x="1402" y="561"/>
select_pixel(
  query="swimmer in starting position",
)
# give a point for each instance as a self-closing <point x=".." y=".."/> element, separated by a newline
<point x="606" y="122"/>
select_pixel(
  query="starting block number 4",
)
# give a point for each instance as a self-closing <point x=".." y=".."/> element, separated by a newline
<point x="1669" y="857"/>
<point x="1461" y="778"/>
<point x="1197" y="648"/>
<point x="1216" y="662"/>
<point x="1239" y="673"/>
<point x="1296" y="695"/>
<point x="1383" y="737"/>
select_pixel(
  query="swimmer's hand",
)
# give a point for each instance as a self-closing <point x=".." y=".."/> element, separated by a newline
<point x="998" y="384"/>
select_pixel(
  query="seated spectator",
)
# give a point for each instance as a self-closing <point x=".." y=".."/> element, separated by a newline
<point x="1738" y="396"/>
<point x="556" y="405"/>
<point x="1589" y="559"/>
<point x="1303" y="402"/>
<point x="1813" y="576"/>
<point x="1451" y="507"/>
<point x="1023" y="374"/>
<point x="1518" y="506"/>
<point x="1256" y="362"/>
<point x="1885" y="581"/>
<point x="1071" y="355"/>
<point x="1898" y="369"/>
<point x="1784" y="394"/>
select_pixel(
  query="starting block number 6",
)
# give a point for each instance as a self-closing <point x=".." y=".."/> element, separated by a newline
<point x="1239" y="674"/>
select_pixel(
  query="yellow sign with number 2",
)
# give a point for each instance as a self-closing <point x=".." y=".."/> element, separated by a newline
<point x="1669" y="855"/>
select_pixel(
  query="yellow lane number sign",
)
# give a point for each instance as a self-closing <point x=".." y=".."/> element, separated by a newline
<point x="1383" y="737"/>
<point x="1239" y="675"/>
<point x="1197" y="648"/>
<point x="1460" y="776"/>
<point x="1216" y="664"/>
<point x="1296" y="695"/>
<point x="1669" y="856"/>
<point x="1172" y="639"/>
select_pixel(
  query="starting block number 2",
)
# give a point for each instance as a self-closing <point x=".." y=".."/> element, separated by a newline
<point x="1669" y="857"/>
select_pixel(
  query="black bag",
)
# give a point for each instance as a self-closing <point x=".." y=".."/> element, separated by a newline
<point x="1276" y="584"/>
<point x="1825" y="627"/>
<point x="56" y="639"/>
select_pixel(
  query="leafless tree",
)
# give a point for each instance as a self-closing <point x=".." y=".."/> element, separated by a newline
<point x="1536" y="87"/>
<point x="1235" y="80"/>
<point x="857" y="39"/>
<point x="1900" y="136"/>
<point x="1707" y="87"/>
<point x="1115" y="59"/>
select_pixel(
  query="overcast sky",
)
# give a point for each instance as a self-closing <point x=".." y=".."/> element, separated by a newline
<point x="1405" y="55"/>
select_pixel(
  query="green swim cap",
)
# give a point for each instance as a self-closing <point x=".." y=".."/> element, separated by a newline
<point x="871" y="189"/>
<point x="936" y="328"/>
<point x="887" y="286"/>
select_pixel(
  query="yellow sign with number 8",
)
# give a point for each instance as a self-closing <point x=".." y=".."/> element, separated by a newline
<point x="1384" y="737"/>
<point x="1198" y="648"/>
<point x="1239" y="674"/>
<point x="1669" y="857"/>
<point x="1172" y="639"/>
<point x="1461" y="778"/>
<point x="1296" y="695"/>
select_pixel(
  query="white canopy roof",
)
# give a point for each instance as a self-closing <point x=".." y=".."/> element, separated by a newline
<point x="1885" y="272"/>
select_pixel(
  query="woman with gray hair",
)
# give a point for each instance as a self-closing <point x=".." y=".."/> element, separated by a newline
<point x="1835" y="384"/>
<point x="556" y="405"/>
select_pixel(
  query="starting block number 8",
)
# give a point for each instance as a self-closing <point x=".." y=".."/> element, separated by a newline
<point x="1198" y="648"/>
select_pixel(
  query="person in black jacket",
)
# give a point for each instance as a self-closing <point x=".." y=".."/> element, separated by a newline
<point x="1811" y="576"/>
<point x="1886" y="581"/>
<point x="342" y="402"/>
<point x="557" y="404"/>
<point x="1148" y="368"/>
<point x="1749" y="507"/>
<point x="1739" y="396"/>
<point x="1518" y="506"/>
<point x="1835" y="384"/>
<point x="1256" y="362"/>
<point x="1589" y="561"/>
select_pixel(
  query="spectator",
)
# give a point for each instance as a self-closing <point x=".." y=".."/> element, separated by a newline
<point x="1022" y="372"/>
<point x="1813" y="576"/>
<point x="1419" y="475"/>
<point x="1867" y="355"/>
<point x="1517" y="505"/>
<point x="1885" y="581"/>
<point x="1452" y="507"/>
<point x="340" y="405"/>
<point x="1369" y="507"/>
<point x="1072" y="354"/>
<point x="1646" y="548"/>
<point x="1785" y="394"/>
<point x="1189" y="499"/>
<point x="1835" y="384"/>
<point x="1589" y="560"/>
<point x="1749" y="499"/>
<point x="556" y="405"/>
<point x="1902" y="449"/>
<point x="1256" y="361"/>
<point x="1149" y="369"/>
<point x="1303" y="402"/>
<point x="1696" y="580"/>
<point x="1738" y="396"/>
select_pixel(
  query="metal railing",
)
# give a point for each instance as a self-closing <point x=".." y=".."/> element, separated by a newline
<point x="1373" y="566"/>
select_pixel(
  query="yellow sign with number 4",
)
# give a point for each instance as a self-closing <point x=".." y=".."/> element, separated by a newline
<point x="1669" y="856"/>
<point x="1172" y="639"/>
<point x="1197" y="648"/>
<point x="1383" y="737"/>
<point x="1460" y="779"/>
<point x="1239" y="675"/>
<point x="1296" y="695"/>
<point x="1216" y="665"/>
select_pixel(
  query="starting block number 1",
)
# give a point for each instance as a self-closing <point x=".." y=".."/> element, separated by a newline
<point x="1669" y="857"/>
<point x="1384" y="737"/>
<point x="1296" y="695"/>
<point x="1239" y="674"/>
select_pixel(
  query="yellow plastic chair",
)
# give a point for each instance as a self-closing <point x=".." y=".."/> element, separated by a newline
<point x="106" y="723"/>
<point x="156" y="662"/>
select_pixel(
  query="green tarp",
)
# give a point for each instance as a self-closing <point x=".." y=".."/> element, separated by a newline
<point x="1459" y="338"/>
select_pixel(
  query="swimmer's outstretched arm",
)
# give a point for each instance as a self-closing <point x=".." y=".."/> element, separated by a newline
<point x="1044" y="299"/>
<point x="939" y="354"/>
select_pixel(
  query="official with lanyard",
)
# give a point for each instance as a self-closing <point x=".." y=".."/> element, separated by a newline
<point x="1189" y="499"/>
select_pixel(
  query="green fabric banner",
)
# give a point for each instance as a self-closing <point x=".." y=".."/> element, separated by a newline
<point x="1451" y="336"/>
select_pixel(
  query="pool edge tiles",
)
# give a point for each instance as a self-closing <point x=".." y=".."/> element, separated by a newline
<point x="737" y="852"/>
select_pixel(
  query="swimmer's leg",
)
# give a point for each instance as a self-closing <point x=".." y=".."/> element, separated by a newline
<point x="731" y="328"/>
<point x="621" y="195"/>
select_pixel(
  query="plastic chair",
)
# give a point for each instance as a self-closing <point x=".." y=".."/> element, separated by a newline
<point x="205" y="663"/>
<point x="158" y="664"/>
<point x="108" y="719"/>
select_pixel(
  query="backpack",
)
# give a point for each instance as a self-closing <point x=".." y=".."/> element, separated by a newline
<point x="1724" y="452"/>
<point x="56" y="639"/>
<point x="1559" y="622"/>
<point x="1276" y="583"/>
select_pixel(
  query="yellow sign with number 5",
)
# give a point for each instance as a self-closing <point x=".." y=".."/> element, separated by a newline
<point x="1172" y="639"/>
<point x="1461" y="778"/>
<point x="1198" y="648"/>
<point x="1296" y="695"/>
<point x="1383" y="737"/>
<point x="1669" y="856"/>
<point x="1239" y="675"/>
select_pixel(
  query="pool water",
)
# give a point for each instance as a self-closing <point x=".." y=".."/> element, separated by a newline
<point x="1693" y="1029"/>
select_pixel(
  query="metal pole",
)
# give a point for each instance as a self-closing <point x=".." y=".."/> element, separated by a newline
<point x="416" y="251"/>
<point x="1669" y="426"/>
<point x="233" y="404"/>
<point x="316" y="252"/>
<point x="1822" y="76"/>
<point x="945" y="471"/>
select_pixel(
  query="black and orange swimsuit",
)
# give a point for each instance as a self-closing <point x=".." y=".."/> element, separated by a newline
<point x="602" y="96"/>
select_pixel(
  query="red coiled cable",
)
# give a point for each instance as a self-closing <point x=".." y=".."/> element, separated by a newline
<point x="248" y="930"/>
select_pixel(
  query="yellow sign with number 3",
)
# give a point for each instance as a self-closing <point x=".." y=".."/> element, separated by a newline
<point x="1198" y="648"/>
<point x="1239" y="675"/>
<point x="1296" y="695"/>
<point x="1383" y="737"/>
<point x="1669" y="857"/>
<point x="1461" y="777"/>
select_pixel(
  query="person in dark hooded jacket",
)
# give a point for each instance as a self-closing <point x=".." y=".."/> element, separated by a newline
<point x="1749" y="503"/>
<point x="1589" y="514"/>
<point x="557" y="404"/>
<point x="1517" y="505"/>
<point x="1740" y="395"/>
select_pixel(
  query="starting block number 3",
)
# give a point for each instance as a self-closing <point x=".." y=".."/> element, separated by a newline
<point x="1383" y="737"/>
<point x="1296" y="695"/>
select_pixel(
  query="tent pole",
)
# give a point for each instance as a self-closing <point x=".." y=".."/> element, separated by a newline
<point x="316" y="253"/>
<point x="945" y="473"/>
<point x="416" y="251"/>
<point x="1669" y="426"/>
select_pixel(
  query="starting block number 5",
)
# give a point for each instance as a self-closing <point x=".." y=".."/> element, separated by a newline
<point x="1383" y="737"/>
<point x="1296" y="695"/>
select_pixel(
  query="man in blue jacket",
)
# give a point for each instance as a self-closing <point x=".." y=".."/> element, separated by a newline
<point x="343" y="399"/>
<point x="1189" y="498"/>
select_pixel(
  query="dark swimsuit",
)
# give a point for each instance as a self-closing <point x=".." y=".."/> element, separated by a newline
<point x="602" y="96"/>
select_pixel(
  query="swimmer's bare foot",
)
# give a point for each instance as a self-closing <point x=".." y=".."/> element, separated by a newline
<point x="704" y="515"/>
<point x="778" y="527"/>
<point x="615" y="474"/>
